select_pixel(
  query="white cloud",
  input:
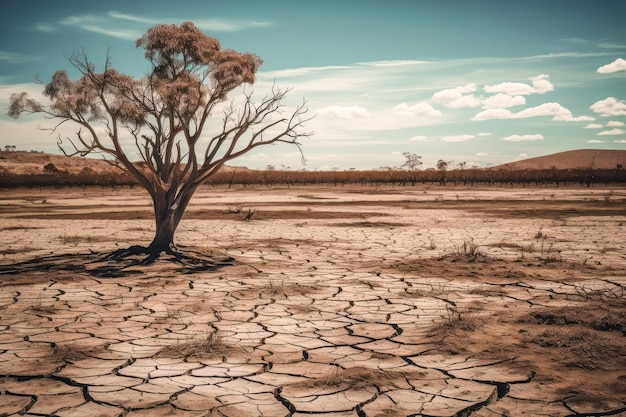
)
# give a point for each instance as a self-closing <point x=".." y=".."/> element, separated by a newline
<point x="45" y="27"/>
<point x="419" y="139"/>
<point x="502" y="100"/>
<point x="457" y="138"/>
<point x="419" y="110"/>
<point x="394" y="63"/>
<point x="116" y="24"/>
<point x="296" y="72"/>
<point x="447" y="95"/>
<point x="596" y="141"/>
<point x="454" y="93"/>
<point x="492" y="114"/>
<point x="481" y="154"/>
<point x="620" y="141"/>
<point x="458" y="97"/>
<point x="102" y="25"/>
<point x="594" y="126"/>
<point x="540" y="85"/>
<point x="558" y="113"/>
<point x="614" y="123"/>
<point x="484" y="134"/>
<point x="469" y="100"/>
<point x="611" y="132"/>
<point x="138" y="19"/>
<point x="523" y="138"/>
<point x="618" y="65"/>
<point x="610" y="106"/>
<point x="14" y="58"/>
<point x="345" y="112"/>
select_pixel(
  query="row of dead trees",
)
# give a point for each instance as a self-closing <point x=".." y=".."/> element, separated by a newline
<point x="244" y="177"/>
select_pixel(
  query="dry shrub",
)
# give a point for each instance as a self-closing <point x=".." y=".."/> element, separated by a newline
<point x="279" y="289"/>
<point x="453" y="319"/>
<point x="468" y="251"/>
<point x="75" y="353"/>
<point x="587" y="350"/>
<point x="208" y="345"/>
<point x="359" y="377"/>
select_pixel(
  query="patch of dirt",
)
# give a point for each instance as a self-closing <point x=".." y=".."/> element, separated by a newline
<point x="487" y="269"/>
<point x="562" y="346"/>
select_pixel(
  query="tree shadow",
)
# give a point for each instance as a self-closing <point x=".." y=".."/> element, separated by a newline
<point x="121" y="263"/>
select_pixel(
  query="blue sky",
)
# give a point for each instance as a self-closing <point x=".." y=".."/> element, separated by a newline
<point x="481" y="82"/>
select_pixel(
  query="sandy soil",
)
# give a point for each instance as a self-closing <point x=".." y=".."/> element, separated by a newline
<point x="340" y="302"/>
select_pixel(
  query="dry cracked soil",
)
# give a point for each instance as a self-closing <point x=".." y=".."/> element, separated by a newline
<point x="327" y="301"/>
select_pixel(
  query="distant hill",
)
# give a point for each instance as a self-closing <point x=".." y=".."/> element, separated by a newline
<point x="577" y="159"/>
<point x="29" y="163"/>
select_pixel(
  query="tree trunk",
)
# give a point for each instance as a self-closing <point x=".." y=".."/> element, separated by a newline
<point x="164" y="236"/>
<point x="168" y="212"/>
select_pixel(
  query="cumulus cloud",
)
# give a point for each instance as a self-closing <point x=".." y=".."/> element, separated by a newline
<point x="596" y="141"/>
<point x="454" y="93"/>
<point x="614" y="123"/>
<point x="558" y="113"/>
<point x="540" y="85"/>
<point x="611" y="132"/>
<point x="458" y="97"/>
<point x="610" y="106"/>
<point x="417" y="110"/>
<point x="594" y="126"/>
<point x="484" y="134"/>
<point x="419" y="139"/>
<point x="469" y="100"/>
<point x="502" y="100"/>
<point x="344" y="112"/>
<point x="457" y="138"/>
<point x="620" y="141"/>
<point x="492" y="114"/>
<point x="618" y="65"/>
<point x="523" y="138"/>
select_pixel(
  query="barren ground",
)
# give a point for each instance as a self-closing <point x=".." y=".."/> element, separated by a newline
<point x="340" y="302"/>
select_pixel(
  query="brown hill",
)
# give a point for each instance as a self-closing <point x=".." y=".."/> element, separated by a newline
<point x="29" y="163"/>
<point x="577" y="159"/>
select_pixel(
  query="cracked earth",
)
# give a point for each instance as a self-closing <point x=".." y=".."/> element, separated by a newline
<point x="340" y="302"/>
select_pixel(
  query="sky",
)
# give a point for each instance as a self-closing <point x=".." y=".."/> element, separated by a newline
<point x="479" y="82"/>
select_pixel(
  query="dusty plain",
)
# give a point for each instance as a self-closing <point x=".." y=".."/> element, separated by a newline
<point x="328" y="301"/>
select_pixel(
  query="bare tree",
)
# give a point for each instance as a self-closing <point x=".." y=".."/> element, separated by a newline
<point x="413" y="162"/>
<point x="442" y="166"/>
<point x="162" y="116"/>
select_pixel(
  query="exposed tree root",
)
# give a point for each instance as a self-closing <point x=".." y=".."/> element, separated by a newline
<point x="120" y="263"/>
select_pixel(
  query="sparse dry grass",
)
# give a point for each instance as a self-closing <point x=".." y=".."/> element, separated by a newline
<point x="358" y="377"/>
<point x="467" y="251"/>
<point x="206" y="345"/>
<point x="454" y="319"/>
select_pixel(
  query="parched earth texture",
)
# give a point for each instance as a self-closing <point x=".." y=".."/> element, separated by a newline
<point x="362" y="301"/>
